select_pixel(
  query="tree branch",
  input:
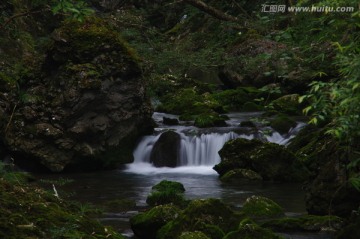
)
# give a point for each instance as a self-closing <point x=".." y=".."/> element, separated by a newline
<point x="211" y="10"/>
<point x="10" y="19"/>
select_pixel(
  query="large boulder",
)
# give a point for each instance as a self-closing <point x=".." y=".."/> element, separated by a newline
<point x="83" y="105"/>
<point x="146" y="224"/>
<point x="328" y="189"/>
<point x="260" y="207"/>
<point x="272" y="161"/>
<point x="165" y="152"/>
<point x="210" y="216"/>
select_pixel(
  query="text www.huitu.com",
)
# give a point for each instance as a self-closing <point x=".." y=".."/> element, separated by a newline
<point x="312" y="9"/>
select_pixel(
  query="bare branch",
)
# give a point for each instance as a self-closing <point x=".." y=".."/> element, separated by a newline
<point x="211" y="10"/>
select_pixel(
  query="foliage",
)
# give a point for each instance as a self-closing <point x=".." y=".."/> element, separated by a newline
<point x="75" y="9"/>
<point x="167" y="192"/>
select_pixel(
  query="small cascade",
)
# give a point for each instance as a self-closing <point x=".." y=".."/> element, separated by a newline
<point x="194" y="150"/>
<point x="198" y="150"/>
<point x="203" y="150"/>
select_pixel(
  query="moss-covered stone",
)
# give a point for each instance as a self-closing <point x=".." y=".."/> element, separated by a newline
<point x="237" y="175"/>
<point x="309" y="223"/>
<point x="232" y="99"/>
<point x="146" y="225"/>
<point x="252" y="231"/>
<point x="193" y="235"/>
<point x="30" y="212"/>
<point x="288" y="104"/>
<point x="271" y="161"/>
<point x="209" y="120"/>
<point x="251" y="107"/>
<point x="261" y="207"/>
<point x="282" y="124"/>
<point x="167" y="192"/>
<point x="209" y="216"/>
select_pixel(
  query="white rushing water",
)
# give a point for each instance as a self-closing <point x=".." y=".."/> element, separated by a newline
<point x="198" y="153"/>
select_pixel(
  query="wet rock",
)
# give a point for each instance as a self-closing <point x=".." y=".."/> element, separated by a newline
<point x="85" y="105"/>
<point x="288" y="104"/>
<point x="207" y="120"/>
<point x="249" y="124"/>
<point x="145" y="225"/>
<point x="309" y="223"/>
<point x="165" y="151"/>
<point x="282" y="124"/>
<point x="271" y="161"/>
<point x="170" y="121"/>
<point x="261" y="207"/>
<point x="238" y="175"/>
<point x="209" y="216"/>
<point x="249" y="229"/>
<point x="327" y="189"/>
<point x="193" y="235"/>
<point x="251" y="107"/>
<point x="167" y="192"/>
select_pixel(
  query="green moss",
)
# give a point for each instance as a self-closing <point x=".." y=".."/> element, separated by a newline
<point x="193" y="235"/>
<point x="305" y="223"/>
<point x="251" y="107"/>
<point x="209" y="120"/>
<point x="261" y="207"/>
<point x="252" y="231"/>
<point x="282" y="124"/>
<point x="167" y="192"/>
<point x="240" y="174"/>
<point x="30" y="212"/>
<point x="232" y="99"/>
<point x="146" y="225"/>
<point x="288" y="104"/>
<point x="209" y="216"/>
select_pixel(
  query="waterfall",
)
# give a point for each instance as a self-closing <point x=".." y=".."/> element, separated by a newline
<point x="194" y="150"/>
<point x="198" y="149"/>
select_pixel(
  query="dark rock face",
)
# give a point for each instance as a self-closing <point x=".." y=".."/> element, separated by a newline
<point x="170" y="121"/>
<point x="165" y="151"/>
<point x="87" y="104"/>
<point x="271" y="161"/>
<point x="327" y="190"/>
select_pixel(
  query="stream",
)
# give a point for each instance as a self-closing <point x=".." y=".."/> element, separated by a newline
<point x="198" y="154"/>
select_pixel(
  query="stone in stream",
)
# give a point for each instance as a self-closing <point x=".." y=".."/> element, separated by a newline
<point x="165" y="150"/>
<point x="271" y="161"/>
<point x="170" y="121"/>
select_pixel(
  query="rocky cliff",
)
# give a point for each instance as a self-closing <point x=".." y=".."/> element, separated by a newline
<point x="83" y="105"/>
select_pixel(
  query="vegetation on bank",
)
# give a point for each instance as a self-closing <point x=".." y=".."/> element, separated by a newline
<point x="28" y="211"/>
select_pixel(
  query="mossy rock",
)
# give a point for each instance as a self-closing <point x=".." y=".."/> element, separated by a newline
<point x="251" y="107"/>
<point x="248" y="124"/>
<point x="146" y="225"/>
<point x="288" y="104"/>
<point x="167" y="192"/>
<point x="193" y="235"/>
<point x="209" y="216"/>
<point x="209" y="120"/>
<point x="237" y="175"/>
<point x="307" y="223"/>
<point x="271" y="161"/>
<point x="282" y="124"/>
<point x="232" y="99"/>
<point x="189" y="101"/>
<point x="252" y="231"/>
<point x="261" y="207"/>
<point x="235" y="154"/>
<point x="30" y="212"/>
